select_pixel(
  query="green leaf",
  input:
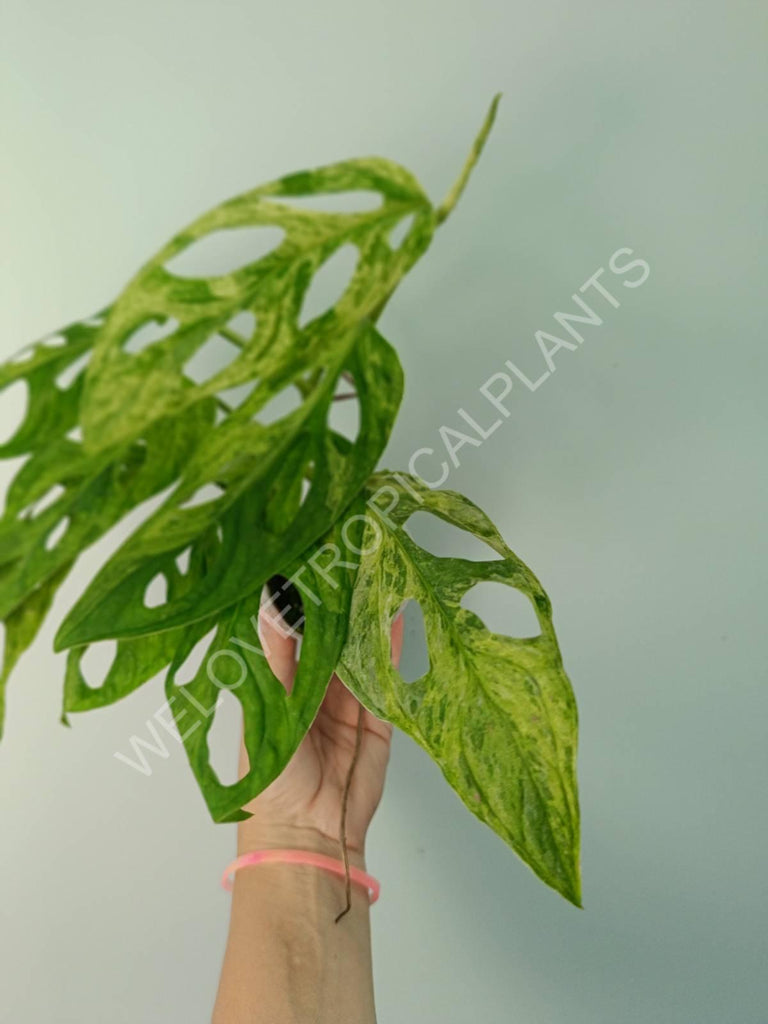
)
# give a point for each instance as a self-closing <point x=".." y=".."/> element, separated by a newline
<point x="52" y="399"/>
<point x="62" y="499"/>
<point x="139" y="659"/>
<point x="495" y="712"/>
<point x="275" y="722"/>
<point x="22" y="626"/>
<point x="124" y="392"/>
<point x="263" y="518"/>
<point x="94" y="493"/>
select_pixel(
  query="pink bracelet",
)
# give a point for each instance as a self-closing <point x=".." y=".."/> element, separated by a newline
<point x="317" y="860"/>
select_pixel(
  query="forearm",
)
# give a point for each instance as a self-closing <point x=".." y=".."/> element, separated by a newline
<point x="287" y="961"/>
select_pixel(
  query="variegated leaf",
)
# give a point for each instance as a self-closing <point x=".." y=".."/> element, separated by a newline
<point x="495" y="712"/>
<point x="275" y="721"/>
<point x="265" y="516"/>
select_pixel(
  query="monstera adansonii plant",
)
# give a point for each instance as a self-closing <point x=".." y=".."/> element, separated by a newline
<point x="286" y="502"/>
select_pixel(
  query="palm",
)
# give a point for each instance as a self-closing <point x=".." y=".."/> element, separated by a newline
<point x="309" y="792"/>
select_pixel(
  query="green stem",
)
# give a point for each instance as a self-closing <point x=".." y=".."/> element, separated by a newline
<point x="447" y="205"/>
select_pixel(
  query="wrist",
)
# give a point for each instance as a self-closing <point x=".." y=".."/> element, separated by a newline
<point x="283" y="932"/>
<point x="297" y="892"/>
<point x="255" y="834"/>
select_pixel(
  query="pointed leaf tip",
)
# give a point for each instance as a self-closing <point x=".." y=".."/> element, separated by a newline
<point x="450" y="201"/>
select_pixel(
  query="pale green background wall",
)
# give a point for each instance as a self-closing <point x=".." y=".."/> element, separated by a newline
<point x="633" y="481"/>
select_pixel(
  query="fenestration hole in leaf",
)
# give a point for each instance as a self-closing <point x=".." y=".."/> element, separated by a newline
<point x="149" y="333"/>
<point x="71" y="372"/>
<point x="344" y="413"/>
<point x="355" y="201"/>
<point x="156" y="593"/>
<point x="203" y="496"/>
<point x="414" y="659"/>
<point x="446" y="540"/>
<point x="56" y="534"/>
<point x="329" y="283"/>
<point x="97" y="661"/>
<point x="212" y="357"/>
<point x="23" y="356"/>
<point x="14" y="399"/>
<point x="398" y="233"/>
<point x="182" y="560"/>
<point x="50" y="497"/>
<point x="222" y="252"/>
<point x="224" y="738"/>
<point x="189" y="667"/>
<point x="306" y="481"/>
<point x="243" y="324"/>
<point x="503" y="609"/>
<point x="282" y="404"/>
<point x="235" y="396"/>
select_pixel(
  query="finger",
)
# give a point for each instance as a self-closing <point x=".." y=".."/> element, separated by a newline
<point x="279" y="644"/>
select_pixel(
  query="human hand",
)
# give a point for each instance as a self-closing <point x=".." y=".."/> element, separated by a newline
<point x="303" y="806"/>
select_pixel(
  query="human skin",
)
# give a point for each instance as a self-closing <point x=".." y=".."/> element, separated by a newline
<point x="287" y="960"/>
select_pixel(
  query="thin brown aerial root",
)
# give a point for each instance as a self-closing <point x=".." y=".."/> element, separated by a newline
<point x="344" y="804"/>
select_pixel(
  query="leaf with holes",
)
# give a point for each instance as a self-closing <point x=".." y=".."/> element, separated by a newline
<point x="274" y="721"/>
<point x="137" y="660"/>
<point x="263" y="516"/>
<point x="495" y="712"/>
<point x="212" y="385"/>
<point x="22" y="625"/>
<point x="62" y="499"/>
<point x="126" y="390"/>
<point x="52" y="372"/>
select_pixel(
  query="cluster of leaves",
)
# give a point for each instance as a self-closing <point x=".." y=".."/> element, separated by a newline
<point x="246" y="499"/>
